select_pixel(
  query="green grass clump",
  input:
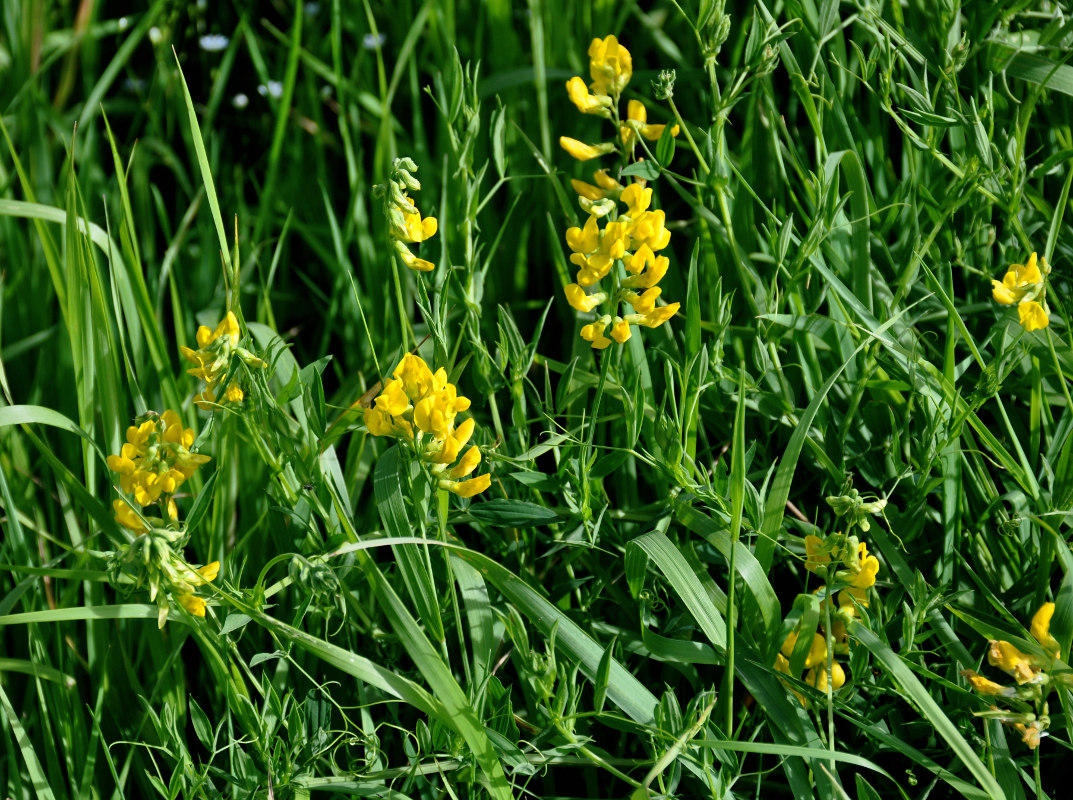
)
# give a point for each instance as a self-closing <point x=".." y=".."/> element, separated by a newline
<point x="356" y="438"/>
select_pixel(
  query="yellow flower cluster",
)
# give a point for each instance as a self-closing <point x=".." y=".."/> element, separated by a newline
<point x="1025" y="286"/>
<point x="212" y="361"/>
<point x="419" y="407"/>
<point x="845" y="560"/>
<point x="634" y="238"/>
<point x="1034" y="673"/>
<point x="153" y="464"/>
<point x="406" y="224"/>
<point x="151" y="559"/>
<point x="815" y="661"/>
<point x="611" y="68"/>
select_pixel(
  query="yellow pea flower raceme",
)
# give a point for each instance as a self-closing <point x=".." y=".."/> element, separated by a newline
<point x="156" y="459"/>
<point x="406" y="226"/>
<point x="419" y="407"/>
<point x="213" y="359"/>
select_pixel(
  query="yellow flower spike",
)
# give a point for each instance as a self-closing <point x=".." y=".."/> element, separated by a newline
<point x="582" y="151"/>
<point x="1040" y="629"/>
<point x="587" y="103"/>
<point x="986" y="687"/>
<point x="1012" y="661"/>
<point x="620" y="330"/>
<point x="193" y="604"/>
<point x="469" y="488"/>
<point x="392" y="401"/>
<point x="579" y="299"/>
<point x="467" y="463"/>
<point x="610" y="66"/>
<point x="1032" y="316"/>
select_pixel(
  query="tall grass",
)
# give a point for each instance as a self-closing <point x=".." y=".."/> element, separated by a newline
<point x="608" y="618"/>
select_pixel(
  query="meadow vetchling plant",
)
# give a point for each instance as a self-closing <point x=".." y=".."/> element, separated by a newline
<point x="418" y="408"/>
<point x="632" y="237"/>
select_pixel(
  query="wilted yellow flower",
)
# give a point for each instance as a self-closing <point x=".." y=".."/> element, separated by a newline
<point x="1021" y="667"/>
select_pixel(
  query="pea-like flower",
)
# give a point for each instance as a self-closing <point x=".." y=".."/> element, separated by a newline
<point x="1025" y="286"/>
<point x="156" y="458"/>
<point x="213" y="362"/>
<point x="611" y="68"/>
<point x="406" y="226"/>
<point x="1035" y="674"/>
<point x="632" y="238"/>
<point x="420" y="407"/>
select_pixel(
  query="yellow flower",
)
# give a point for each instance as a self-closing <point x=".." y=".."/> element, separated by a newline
<point x="594" y="332"/>
<point x="817" y="677"/>
<point x="579" y="299"/>
<point x="1020" y="281"/>
<point x="414" y="228"/>
<point x="606" y="186"/>
<point x="587" y="103"/>
<point x="469" y="488"/>
<point x="1041" y="629"/>
<point x="1023" y="668"/>
<point x="582" y="151"/>
<point x="987" y="687"/>
<point x="637" y="122"/>
<point x="420" y="407"/>
<point x="126" y="517"/>
<point x="1032" y="316"/>
<point x="193" y="604"/>
<point x="610" y="65"/>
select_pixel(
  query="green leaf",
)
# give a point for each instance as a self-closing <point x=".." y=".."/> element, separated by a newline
<point x="505" y="513"/>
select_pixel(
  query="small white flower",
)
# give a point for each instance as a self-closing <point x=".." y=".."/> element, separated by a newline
<point x="155" y="36"/>
<point x="371" y="42"/>
<point x="274" y="88"/>
<point x="213" y="43"/>
<point x="240" y="100"/>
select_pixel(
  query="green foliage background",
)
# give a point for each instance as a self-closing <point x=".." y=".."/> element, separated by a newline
<point x="862" y="170"/>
